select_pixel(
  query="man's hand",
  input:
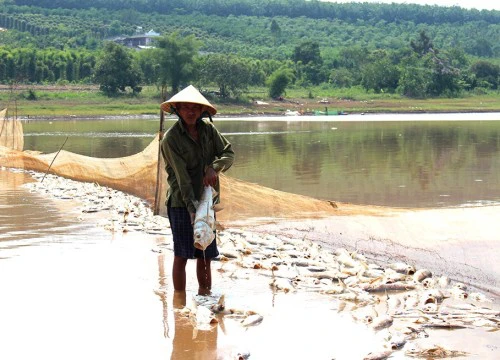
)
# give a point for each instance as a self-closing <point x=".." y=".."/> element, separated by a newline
<point x="193" y="216"/>
<point x="210" y="177"/>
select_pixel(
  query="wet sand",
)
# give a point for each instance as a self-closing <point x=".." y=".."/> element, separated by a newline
<point x="74" y="290"/>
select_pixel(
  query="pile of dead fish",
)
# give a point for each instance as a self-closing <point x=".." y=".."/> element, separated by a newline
<point x="122" y="212"/>
<point x="397" y="300"/>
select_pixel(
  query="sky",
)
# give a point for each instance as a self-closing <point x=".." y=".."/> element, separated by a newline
<point x="468" y="4"/>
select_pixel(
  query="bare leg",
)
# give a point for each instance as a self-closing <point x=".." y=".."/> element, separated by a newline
<point x="204" y="275"/>
<point x="179" y="299"/>
<point x="179" y="273"/>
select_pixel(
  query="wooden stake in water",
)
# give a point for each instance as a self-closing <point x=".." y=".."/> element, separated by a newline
<point x="54" y="159"/>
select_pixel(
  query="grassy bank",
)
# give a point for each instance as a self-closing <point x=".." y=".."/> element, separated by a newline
<point x="75" y="101"/>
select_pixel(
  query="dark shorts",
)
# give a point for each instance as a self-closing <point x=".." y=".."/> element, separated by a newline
<point x="182" y="233"/>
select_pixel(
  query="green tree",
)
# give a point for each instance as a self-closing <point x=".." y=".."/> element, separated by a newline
<point x="278" y="81"/>
<point x="341" y="78"/>
<point x="115" y="70"/>
<point x="176" y="59"/>
<point x="307" y="52"/>
<point x="230" y="73"/>
<point x="414" y="79"/>
<point x="275" y="31"/>
<point x="149" y="65"/>
<point x="309" y="63"/>
<point x="445" y="77"/>
<point x="423" y="44"/>
<point x="486" y="74"/>
<point x="380" y="75"/>
<point x="482" y="47"/>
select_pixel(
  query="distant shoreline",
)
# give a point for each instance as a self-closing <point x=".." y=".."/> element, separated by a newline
<point x="76" y="102"/>
<point x="270" y="116"/>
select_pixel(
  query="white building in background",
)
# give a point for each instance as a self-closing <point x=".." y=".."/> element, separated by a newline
<point x="139" y="41"/>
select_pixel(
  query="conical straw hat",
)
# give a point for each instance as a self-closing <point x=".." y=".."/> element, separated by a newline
<point x="188" y="95"/>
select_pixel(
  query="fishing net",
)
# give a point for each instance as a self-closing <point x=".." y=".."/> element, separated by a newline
<point x="140" y="175"/>
<point x="11" y="132"/>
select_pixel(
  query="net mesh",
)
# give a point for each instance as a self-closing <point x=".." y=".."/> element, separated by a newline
<point x="140" y="175"/>
<point x="11" y="132"/>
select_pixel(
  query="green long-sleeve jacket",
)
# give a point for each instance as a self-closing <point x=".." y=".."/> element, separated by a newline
<point x="186" y="161"/>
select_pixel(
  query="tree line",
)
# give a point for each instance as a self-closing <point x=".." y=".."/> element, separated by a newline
<point x="290" y="8"/>
<point x="34" y="66"/>
<point x="260" y="43"/>
<point x="67" y="24"/>
<point x="420" y="70"/>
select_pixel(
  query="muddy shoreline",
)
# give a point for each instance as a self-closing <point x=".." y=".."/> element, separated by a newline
<point x="127" y="284"/>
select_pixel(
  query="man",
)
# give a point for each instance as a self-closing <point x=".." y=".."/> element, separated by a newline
<point x="195" y="153"/>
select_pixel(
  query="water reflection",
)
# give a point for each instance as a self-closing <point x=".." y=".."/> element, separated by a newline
<point x="189" y="342"/>
<point x="393" y="163"/>
<point x="24" y="215"/>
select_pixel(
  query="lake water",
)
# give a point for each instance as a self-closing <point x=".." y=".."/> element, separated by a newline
<point x="73" y="290"/>
<point x="420" y="160"/>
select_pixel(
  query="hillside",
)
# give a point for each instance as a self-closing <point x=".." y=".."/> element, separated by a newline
<point x="371" y="46"/>
<point x="245" y="26"/>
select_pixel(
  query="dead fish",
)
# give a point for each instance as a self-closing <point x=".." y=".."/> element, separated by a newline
<point x="341" y="306"/>
<point x="242" y="356"/>
<point x="445" y="325"/>
<point x="373" y="273"/>
<point x="381" y="355"/>
<point x="421" y="274"/>
<point x="343" y="257"/>
<point x="204" y="318"/>
<point x="458" y="293"/>
<point x="282" y="284"/>
<point x="357" y="256"/>
<point x="397" y="341"/>
<point x="429" y="308"/>
<point x="294" y="254"/>
<point x="287" y="247"/>
<point x="460" y="286"/>
<point x="316" y="268"/>
<point x="204" y="222"/>
<point x="391" y="276"/>
<point x="410" y="301"/>
<point x="333" y="289"/>
<point x="396" y="286"/>
<point x="220" y="306"/>
<point x="200" y="316"/>
<point x="432" y="296"/>
<point x="402" y="268"/>
<point x="351" y="271"/>
<point x="303" y="263"/>
<point x="486" y="323"/>
<point x="413" y="333"/>
<point x="361" y="299"/>
<point x="437" y="352"/>
<point x="463" y="307"/>
<point x="487" y="312"/>
<point x="429" y="283"/>
<point x="252" y="320"/>
<point x="394" y="304"/>
<point x="382" y="322"/>
<point x="333" y="275"/>
<point x="357" y="279"/>
<point x="364" y="314"/>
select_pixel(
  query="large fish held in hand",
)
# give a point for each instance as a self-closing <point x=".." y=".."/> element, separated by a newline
<point x="204" y="221"/>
